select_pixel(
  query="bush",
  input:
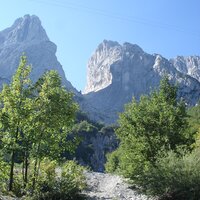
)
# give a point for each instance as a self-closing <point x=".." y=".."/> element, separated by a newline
<point x="112" y="163"/>
<point x="64" y="185"/>
<point x="174" y="177"/>
<point x="4" y="176"/>
<point x="72" y="180"/>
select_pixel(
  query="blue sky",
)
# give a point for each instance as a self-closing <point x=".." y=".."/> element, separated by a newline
<point x="167" y="27"/>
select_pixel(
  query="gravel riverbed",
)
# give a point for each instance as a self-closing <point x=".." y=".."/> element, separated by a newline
<point x="103" y="186"/>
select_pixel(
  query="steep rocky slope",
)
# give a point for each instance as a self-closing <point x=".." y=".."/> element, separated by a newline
<point x="116" y="73"/>
<point x="189" y="65"/>
<point x="28" y="36"/>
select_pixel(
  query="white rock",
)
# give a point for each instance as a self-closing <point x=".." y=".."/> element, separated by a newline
<point x="189" y="65"/>
<point x="107" y="186"/>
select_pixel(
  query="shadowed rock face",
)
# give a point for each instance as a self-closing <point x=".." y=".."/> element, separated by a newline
<point x="116" y="73"/>
<point x="28" y="36"/>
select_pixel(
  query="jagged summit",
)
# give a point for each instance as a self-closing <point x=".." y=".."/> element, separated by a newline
<point x="189" y="65"/>
<point x="99" y="70"/>
<point x="108" y="43"/>
<point x="27" y="35"/>
<point x="132" y="48"/>
<point x="24" y="29"/>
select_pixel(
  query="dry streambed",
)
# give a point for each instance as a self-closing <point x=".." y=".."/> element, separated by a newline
<point x="109" y="187"/>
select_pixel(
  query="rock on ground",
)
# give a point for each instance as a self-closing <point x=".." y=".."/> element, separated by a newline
<point x="103" y="186"/>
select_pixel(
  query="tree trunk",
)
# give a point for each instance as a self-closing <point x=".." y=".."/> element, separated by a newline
<point x="35" y="167"/>
<point x="11" y="171"/>
<point x="23" y="166"/>
<point x="10" y="186"/>
<point x="34" y="174"/>
<point x="26" y="168"/>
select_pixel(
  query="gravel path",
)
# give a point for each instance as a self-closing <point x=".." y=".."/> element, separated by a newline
<point x="109" y="187"/>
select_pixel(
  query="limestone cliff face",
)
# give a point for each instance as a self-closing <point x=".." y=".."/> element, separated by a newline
<point x="116" y="73"/>
<point x="28" y="36"/>
<point x="189" y="65"/>
<point x="98" y="71"/>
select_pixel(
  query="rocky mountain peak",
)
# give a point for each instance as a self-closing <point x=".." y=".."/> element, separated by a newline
<point x="116" y="73"/>
<point x="24" y="29"/>
<point x="28" y="36"/>
<point x="98" y="68"/>
<point x="189" y="65"/>
<point x="107" y="44"/>
<point x="105" y="66"/>
<point x="132" y="48"/>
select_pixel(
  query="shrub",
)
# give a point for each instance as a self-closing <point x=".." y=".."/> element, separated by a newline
<point x="65" y="186"/>
<point x="4" y="176"/>
<point x="72" y="180"/>
<point x="112" y="163"/>
<point x="174" y="177"/>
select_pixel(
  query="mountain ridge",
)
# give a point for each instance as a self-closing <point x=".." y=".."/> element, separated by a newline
<point x="115" y="72"/>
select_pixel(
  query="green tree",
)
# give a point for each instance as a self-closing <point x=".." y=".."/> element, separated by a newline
<point x="156" y="123"/>
<point x="194" y="121"/>
<point x="53" y="118"/>
<point x="35" y="120"/>
<point x="14" y="100"/>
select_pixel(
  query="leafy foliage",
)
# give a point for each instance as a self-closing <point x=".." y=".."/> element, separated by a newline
<point x="66" y="185"/>
<point x="4" y="175"/>
<point x="194" y="121"/>
<point x="147" y="129"/>
<point x="35" y="120"/>
<point x="175" y="176"/>
<point x="194" y="116"/>
<point x="14" y="103"/>
<point x="113" y="161"/>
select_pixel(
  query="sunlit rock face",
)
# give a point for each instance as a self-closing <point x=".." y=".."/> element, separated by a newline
<point x="189" y="65"/>
<point x="99" y="75"/>
<point x="117" y="73"/>
<point x="28" y="36"/>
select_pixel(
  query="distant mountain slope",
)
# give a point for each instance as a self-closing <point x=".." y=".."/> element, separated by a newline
<point x="27" y="35"/>
<point x="117" y="72"/>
